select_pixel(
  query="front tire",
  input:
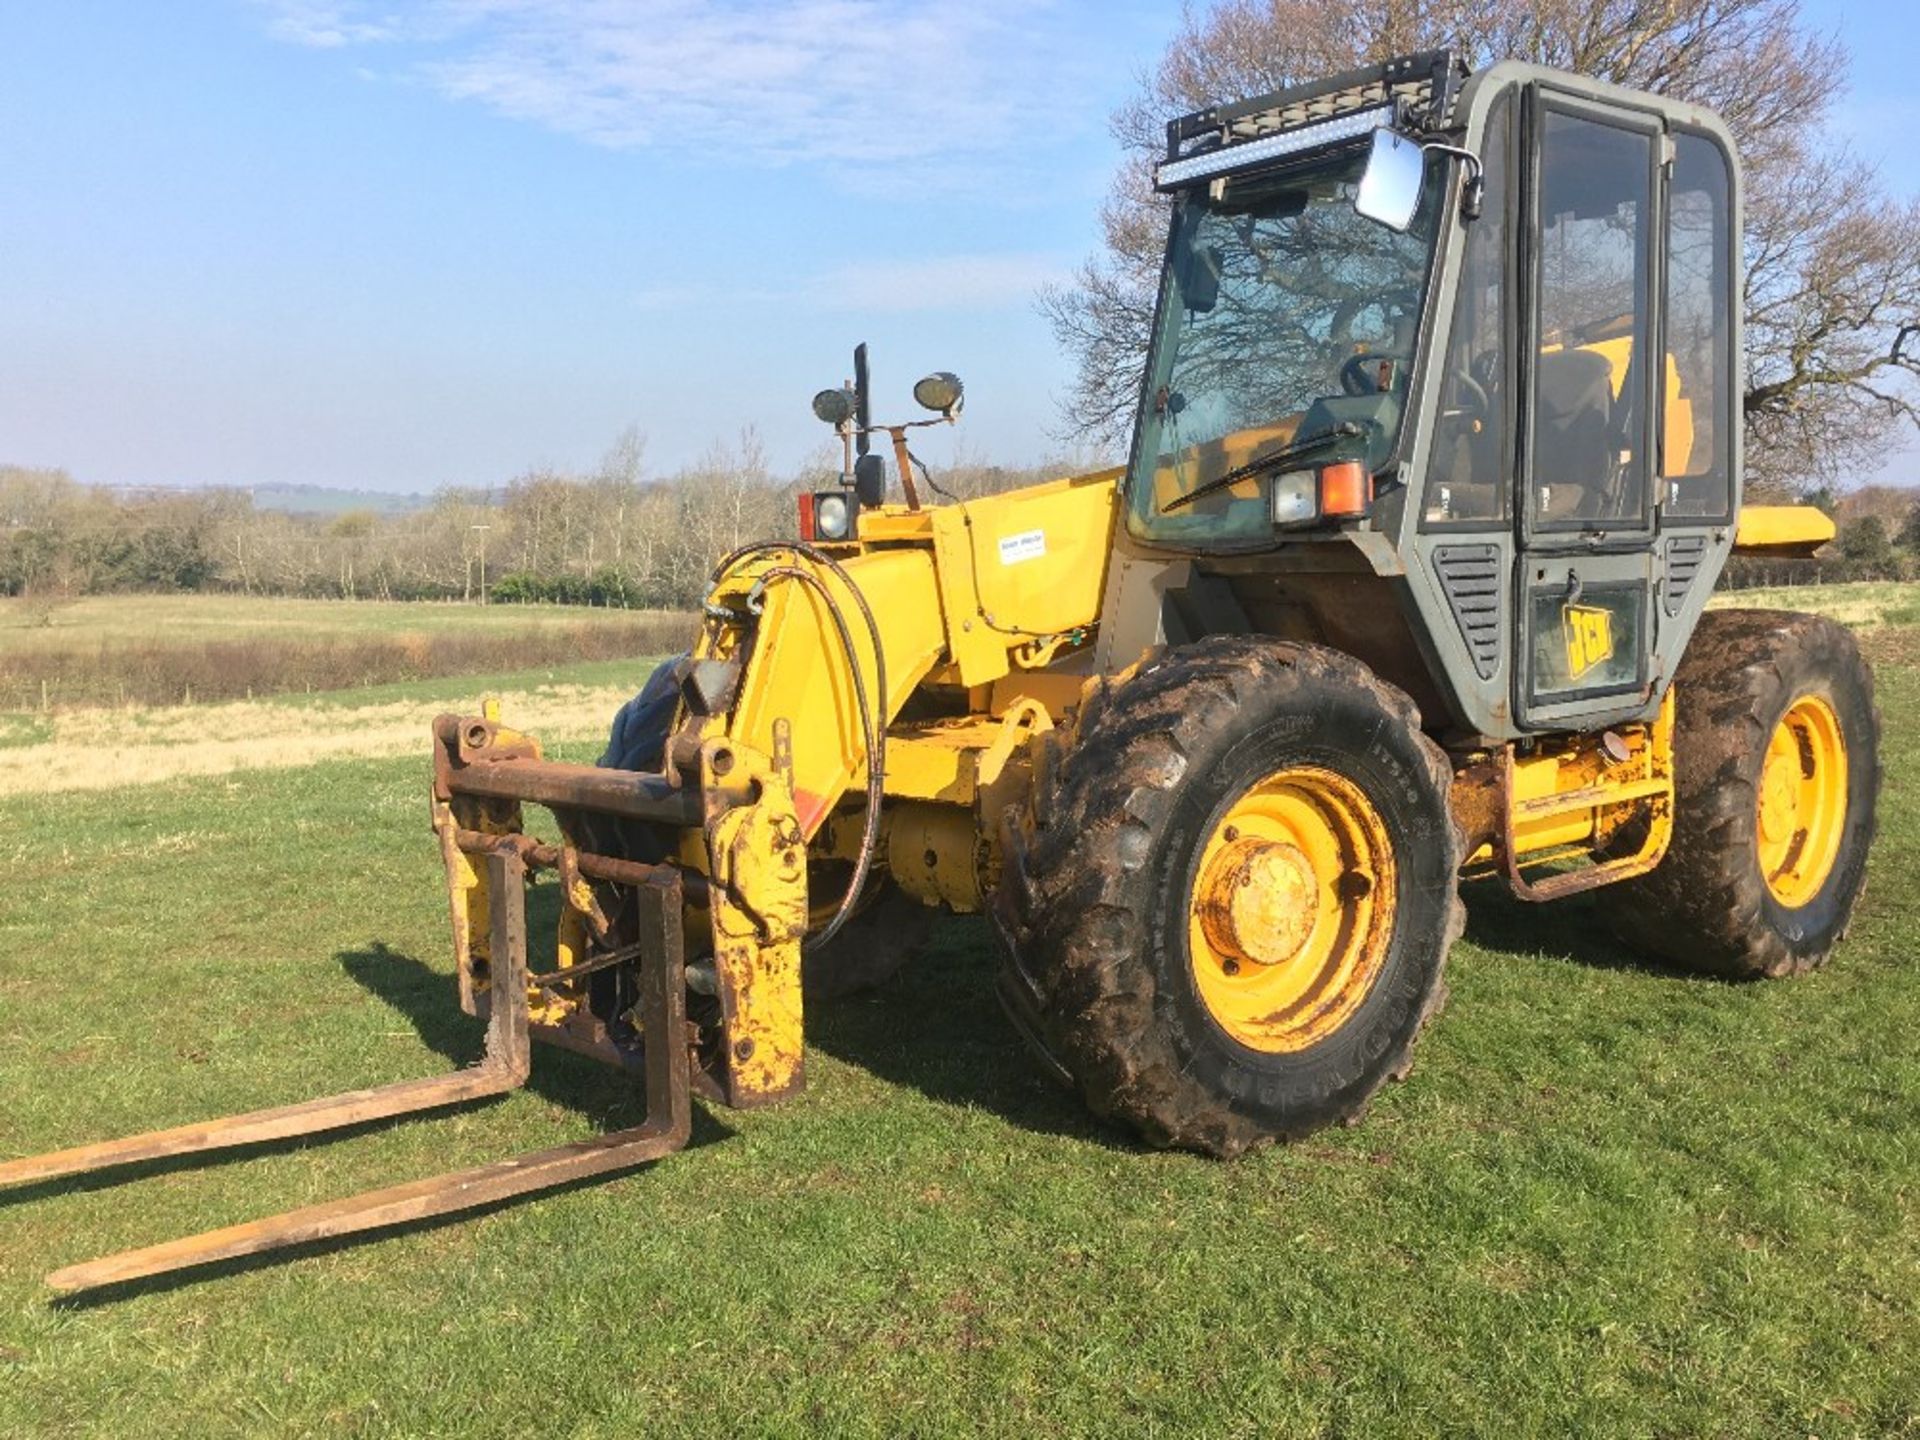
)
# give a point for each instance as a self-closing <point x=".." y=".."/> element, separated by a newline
<point x="1776" y="778"/>
<point x="1228" y="917"/>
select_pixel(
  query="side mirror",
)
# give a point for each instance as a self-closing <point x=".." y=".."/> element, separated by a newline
<point x="1390" y="185"/>
<point x="870" y="481"/>
<point x="1200" y="284"/>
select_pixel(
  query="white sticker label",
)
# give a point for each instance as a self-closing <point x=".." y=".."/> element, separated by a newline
<point x="1027" y="545"/>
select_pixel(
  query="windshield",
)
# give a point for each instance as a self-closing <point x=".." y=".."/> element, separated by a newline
<point x="1285" y="315"/>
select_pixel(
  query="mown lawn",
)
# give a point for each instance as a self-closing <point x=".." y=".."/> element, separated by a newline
<point x="1611" y="1200"/>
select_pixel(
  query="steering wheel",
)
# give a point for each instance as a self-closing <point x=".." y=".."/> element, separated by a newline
<point x="1478" y="406"/>
<point x="1356" y="378"/>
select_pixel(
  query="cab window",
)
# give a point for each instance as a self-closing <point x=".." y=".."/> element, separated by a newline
<point x="1467" y="473"/>
<point x="1696" y="465"/>
<point x="1589" y="460"/>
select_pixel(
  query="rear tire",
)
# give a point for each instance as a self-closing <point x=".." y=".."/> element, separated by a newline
<point x="876" y="940"/>
<point x="1754" y="886"/>
<point x="1107" y="894"/>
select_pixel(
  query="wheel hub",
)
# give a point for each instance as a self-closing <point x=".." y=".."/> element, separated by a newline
<point x="1258" y="902"/>
<point x="1802" y="804"/>
<point x="1291" y="911"/>
<point x="1777" y="797"/>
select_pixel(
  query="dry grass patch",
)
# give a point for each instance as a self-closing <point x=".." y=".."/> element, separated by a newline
<point x="107" y="749"/>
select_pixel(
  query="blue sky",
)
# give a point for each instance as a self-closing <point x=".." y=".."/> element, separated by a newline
<point x="407" y="246"/>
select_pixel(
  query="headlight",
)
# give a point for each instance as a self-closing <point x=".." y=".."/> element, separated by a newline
<point x="832" y="516"/>
<point x="1340" y="491"/>
<point x="1296" y="497"/>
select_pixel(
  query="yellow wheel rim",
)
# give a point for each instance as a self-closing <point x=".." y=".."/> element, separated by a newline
<point x="1803" y="801"/>
<point x="1292" y="910"/>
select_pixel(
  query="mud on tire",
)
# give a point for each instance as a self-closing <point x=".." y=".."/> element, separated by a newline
<point x="1094" y="902"/>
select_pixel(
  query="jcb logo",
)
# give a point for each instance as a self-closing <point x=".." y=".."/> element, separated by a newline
<point x="1589" y="632"/>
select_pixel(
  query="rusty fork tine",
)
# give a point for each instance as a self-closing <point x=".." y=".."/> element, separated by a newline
<point x="666" y="1129"/>
<point x="505" y="1068"/>
<point x="377" y="1209"/>
<point x="332" y="1113"/>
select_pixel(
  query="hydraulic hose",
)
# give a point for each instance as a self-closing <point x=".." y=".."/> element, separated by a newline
<point x="872" y="729"/>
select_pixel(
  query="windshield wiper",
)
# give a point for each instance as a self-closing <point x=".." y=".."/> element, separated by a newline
<point x="1269" y="461"/>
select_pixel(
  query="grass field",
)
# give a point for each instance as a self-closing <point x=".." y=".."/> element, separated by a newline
<point x="1611" y="1200"/>
<point x="1870" y="605"/>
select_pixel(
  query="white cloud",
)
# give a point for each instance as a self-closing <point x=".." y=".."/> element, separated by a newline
<point x="325" y="25"/>
<point x="848" y="83"/>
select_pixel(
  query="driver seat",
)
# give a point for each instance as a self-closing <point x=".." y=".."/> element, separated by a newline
<point x="1573" y="434"/>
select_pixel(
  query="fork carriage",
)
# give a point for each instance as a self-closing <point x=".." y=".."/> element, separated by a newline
<point x="483" y="776"/>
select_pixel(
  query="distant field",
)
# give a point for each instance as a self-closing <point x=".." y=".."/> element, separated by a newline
<point x="27" y="625"/>
<point x="178" y="649"/>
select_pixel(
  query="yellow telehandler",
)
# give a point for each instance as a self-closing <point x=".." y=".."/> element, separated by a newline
<point x="1436" y="461"/>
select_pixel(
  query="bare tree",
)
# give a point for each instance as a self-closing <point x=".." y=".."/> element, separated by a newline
<point x="1833" y="263"/>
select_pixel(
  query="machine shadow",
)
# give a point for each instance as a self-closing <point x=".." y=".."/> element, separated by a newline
<point x="424" y="997"/>
<point x="428" y="1000"/>
<point x="937" y="1027"/>
<point x="1576" y="927"/>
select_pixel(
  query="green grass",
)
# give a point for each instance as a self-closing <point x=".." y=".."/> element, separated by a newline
<point x="17" y="731"/>
<point x="1868" y="604"/>
<point x="1611" y="1200"/>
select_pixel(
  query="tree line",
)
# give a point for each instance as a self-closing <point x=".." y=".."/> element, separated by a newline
<point x="611" y="535"/>
<point x="1832" y="292"/>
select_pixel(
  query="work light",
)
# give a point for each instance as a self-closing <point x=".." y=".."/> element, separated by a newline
<point x="833" y="407"/>
<point x="1177" y="173"/>
<point x="1296" y="497"/>
<point x="940" y="391"/>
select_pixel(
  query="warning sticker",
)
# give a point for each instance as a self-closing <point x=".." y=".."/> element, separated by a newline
<point x="1027" y="545"/>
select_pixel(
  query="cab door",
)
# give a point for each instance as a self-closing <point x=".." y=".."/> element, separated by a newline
<point x="1585" y="501"/>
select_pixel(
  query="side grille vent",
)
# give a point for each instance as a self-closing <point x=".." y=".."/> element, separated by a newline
<point x="1685" y="554"/>
<point x="1470" y="578"/>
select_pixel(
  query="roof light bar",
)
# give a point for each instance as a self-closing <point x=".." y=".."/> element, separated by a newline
<point x="1175" y="174"/>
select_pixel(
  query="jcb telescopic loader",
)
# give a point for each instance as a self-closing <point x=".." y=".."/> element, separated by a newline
<point x="1437" y="459"/>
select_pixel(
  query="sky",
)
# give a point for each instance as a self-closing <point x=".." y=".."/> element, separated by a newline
<point x="399" y="246"/>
